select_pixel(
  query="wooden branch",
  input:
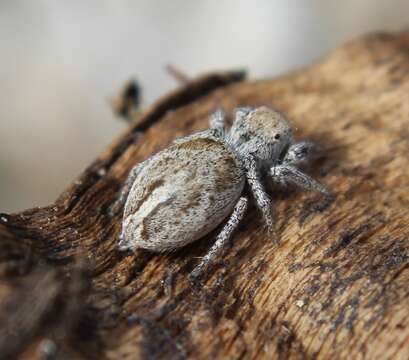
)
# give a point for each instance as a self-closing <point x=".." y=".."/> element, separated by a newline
<point x="336" y="286"/>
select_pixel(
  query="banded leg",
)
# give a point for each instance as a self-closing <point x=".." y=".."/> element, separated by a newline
<point x="290" y="174"/>
<point x="262" y="199"/>
<point x="223" y="237"/>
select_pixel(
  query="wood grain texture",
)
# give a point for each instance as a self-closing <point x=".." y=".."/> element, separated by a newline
<point x="336" y="287"/>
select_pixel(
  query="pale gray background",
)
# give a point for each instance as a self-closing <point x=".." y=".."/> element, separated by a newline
<point x="62" y="60"/>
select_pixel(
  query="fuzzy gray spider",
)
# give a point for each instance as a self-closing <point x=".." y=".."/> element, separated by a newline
<point x="185" y="191"/>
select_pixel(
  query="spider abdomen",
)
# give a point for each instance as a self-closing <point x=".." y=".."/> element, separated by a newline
<point x="181" y="194"/>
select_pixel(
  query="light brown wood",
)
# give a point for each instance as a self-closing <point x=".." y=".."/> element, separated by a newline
<point x="337" y="287"/>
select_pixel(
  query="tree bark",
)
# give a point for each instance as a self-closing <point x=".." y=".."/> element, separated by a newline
<point x="335" y="288"/>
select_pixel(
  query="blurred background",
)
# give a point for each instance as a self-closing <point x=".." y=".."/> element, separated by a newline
<point x="62" y="61"/>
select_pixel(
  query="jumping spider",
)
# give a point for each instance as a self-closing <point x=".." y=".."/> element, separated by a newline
<point x="185" y="191"/>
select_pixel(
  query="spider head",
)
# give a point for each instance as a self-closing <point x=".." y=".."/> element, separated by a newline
<point x="262" y="131"/>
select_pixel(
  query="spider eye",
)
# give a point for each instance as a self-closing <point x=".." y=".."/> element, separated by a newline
<point x="277" y="136"/>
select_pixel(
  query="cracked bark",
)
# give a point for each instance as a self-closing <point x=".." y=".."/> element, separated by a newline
<point x="336" y="286"/>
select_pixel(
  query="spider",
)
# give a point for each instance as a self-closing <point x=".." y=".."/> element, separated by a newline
<point x="187" y="190"/>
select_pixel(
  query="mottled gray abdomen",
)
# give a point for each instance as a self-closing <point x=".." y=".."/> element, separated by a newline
<point x="182" y="194"/>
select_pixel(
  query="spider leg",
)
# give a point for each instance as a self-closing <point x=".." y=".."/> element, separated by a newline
<point x="216" y="128"/>
<point x="285" y="173"/>
<point x="301" y="153"/>
<point x="262" y="199"/>
<point x="217" y="122"/>
<point x="199" y="135"/>
<point x="223" y="237"/>
<point x="126" y="188"/>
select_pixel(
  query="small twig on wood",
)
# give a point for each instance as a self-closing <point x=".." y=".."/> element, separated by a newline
<point x="177" y="74"/>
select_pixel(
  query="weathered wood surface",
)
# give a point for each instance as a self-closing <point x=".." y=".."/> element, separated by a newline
<point x="336" y="287"/>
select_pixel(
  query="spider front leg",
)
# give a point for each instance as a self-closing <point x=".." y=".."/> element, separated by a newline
<point x="223" y="237"/>
<point x="262" y="199"/>
<point x="286" y="173"/>
<point x="298" y="155"/>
